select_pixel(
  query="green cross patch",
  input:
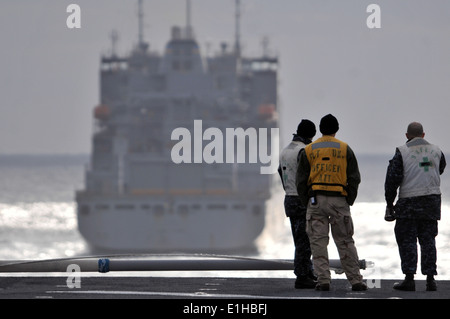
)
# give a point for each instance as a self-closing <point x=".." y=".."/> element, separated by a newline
<point x="425" y="164"/>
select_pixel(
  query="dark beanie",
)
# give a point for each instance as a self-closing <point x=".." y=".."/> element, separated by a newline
<point x="307" y="129"/>
<point x="329" y="125"/>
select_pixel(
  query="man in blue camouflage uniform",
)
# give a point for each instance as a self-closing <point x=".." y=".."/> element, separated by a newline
<point x="296" y="212"/>
<point x="415" y="170"/>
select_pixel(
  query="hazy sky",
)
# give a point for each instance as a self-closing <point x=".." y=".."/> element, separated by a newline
<point x="375" y="81"/>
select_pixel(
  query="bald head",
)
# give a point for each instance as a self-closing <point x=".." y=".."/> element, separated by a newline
<point x="415" y="129"/>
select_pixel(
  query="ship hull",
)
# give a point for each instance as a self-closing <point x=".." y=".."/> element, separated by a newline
<point x="170" y="225"/>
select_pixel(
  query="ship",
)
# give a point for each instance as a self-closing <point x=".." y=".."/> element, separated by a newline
<point x="136" y="197"/>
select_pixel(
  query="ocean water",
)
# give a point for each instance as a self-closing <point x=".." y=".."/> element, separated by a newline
<point x="38" y="217"/>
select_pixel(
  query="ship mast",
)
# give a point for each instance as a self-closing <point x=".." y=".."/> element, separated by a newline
<point x="237" y="44"/>
<point x="114" y="38"/>
<point x="189" y="33"/>
<point x="141" y="45"/>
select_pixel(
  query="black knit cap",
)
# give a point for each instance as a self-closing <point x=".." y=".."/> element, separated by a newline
<point x="306" y="128"/>
<point x="329" y="125"/>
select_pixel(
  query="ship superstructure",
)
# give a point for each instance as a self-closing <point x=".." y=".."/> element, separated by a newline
<point x="136" y="197"/>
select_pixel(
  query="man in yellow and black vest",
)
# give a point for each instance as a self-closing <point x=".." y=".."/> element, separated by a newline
<point x="327" y="183"/>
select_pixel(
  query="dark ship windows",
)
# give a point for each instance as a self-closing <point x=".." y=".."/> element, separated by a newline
<point x="158" y="210"/>
<point x="239" y="207"/>
<point x="124" y="206"/>
<point x="256" y="210"/>
<point x="84" y="209"/>
<point x="102" y="207"/>
<point x="217" y="207"/>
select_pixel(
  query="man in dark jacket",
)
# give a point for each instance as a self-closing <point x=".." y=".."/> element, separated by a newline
<point x="294" y="209"/>
<point x="415" y="170"/>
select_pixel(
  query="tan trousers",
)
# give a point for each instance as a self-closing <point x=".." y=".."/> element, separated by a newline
<point x="335" y="212"/>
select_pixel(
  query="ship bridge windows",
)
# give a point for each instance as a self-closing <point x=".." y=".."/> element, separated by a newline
<point x="260" y="65"/>
<point x="124" y="206"/>
<point x="217" y="207"/>
<point x="183" y="55"/>
<point x="187" y="51"/>
<point x="113" y="64"/>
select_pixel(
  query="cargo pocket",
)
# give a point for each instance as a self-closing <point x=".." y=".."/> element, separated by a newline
<point x="308" y="225"/>
<point x="348" y="222"/>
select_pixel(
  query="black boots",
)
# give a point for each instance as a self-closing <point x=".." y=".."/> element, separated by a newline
<point x="406" y="285"/>
<point x="323" y="287"/>
<point x="431" y="283"/>
<point x="359" y="287"/>
<point x="305" y="282"/>
<point x="409" y="285"/>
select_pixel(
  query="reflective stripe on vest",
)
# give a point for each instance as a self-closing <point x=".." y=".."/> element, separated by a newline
<point x="421" y="162"/>
<point x="328" y="160"/>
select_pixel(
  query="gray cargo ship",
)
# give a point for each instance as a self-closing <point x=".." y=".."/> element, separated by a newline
<point x="136" y="197"/>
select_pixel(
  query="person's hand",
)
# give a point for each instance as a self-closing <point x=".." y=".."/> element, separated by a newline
<point x="389" y="216"/>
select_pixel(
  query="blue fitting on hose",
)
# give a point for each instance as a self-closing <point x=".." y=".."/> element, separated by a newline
<point x="103" y="265"/>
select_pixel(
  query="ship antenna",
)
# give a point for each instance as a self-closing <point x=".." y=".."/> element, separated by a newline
<point x="237" y="44"/>
<point x="114" y="38"/>
<point x="189" y="34"/>
<point x="141" y="23"/>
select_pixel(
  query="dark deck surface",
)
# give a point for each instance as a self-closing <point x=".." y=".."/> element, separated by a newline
<point x="109" y="287"/>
